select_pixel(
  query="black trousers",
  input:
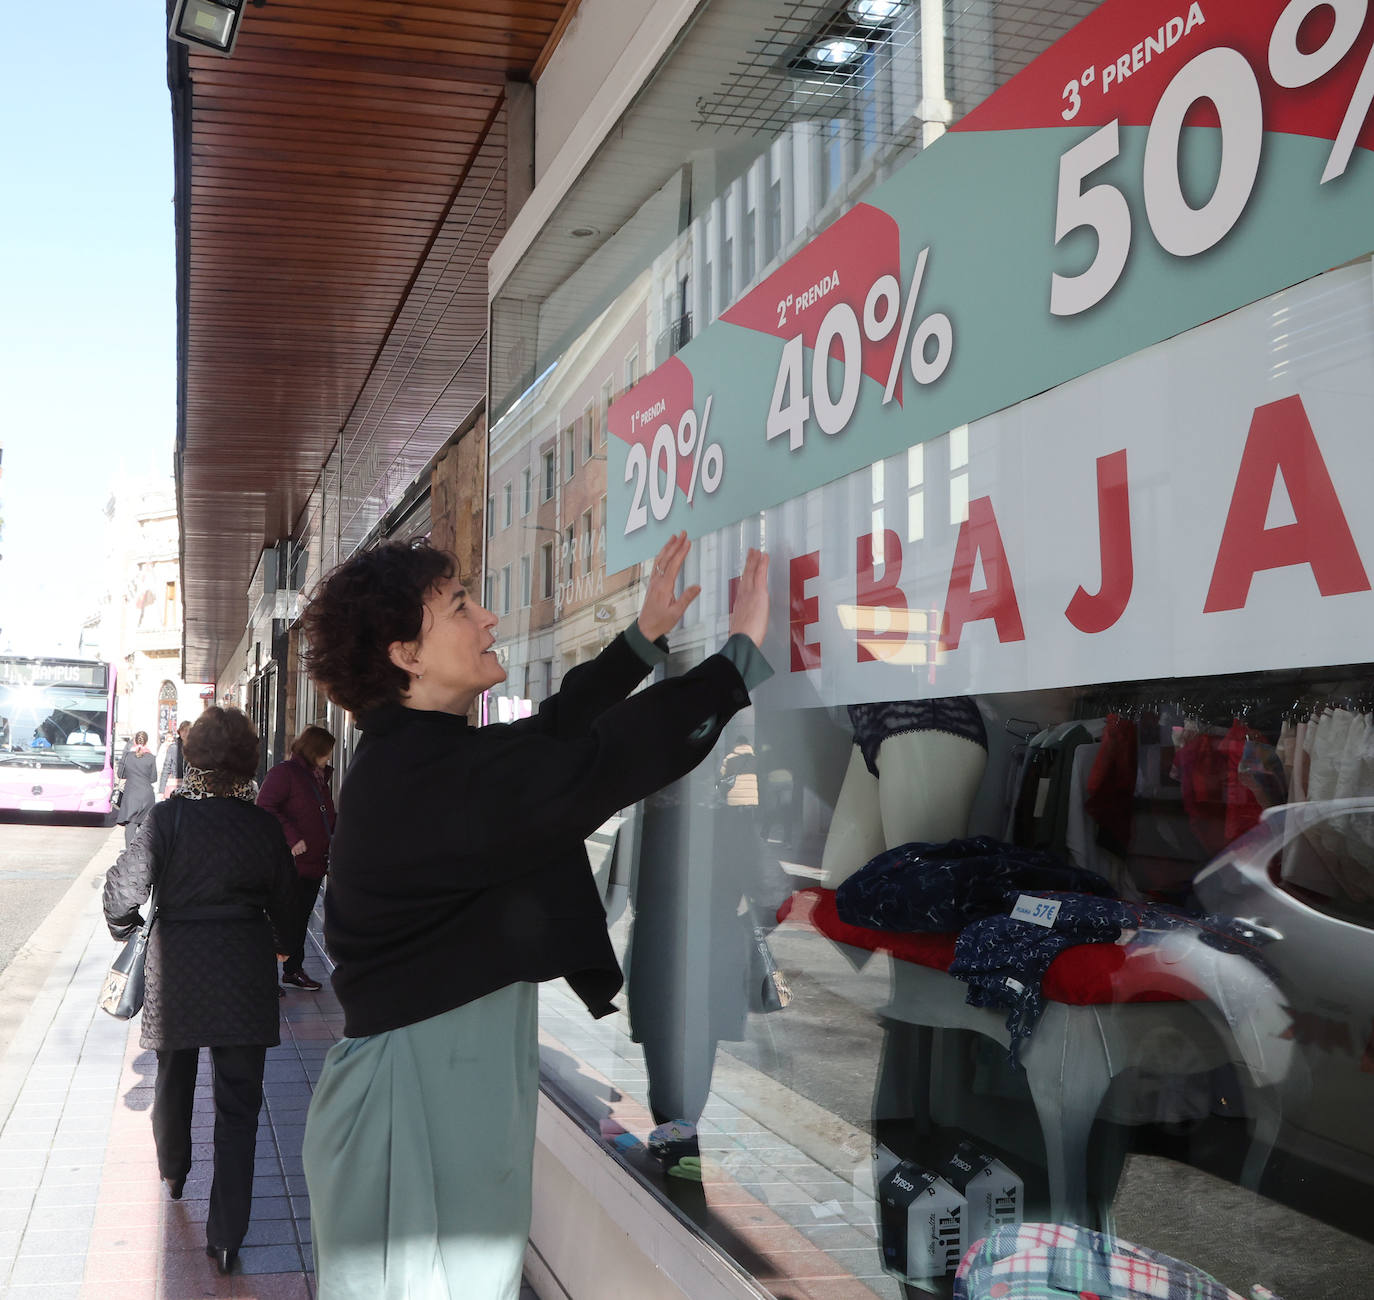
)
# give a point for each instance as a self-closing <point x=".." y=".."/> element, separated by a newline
<point x="307" y="891"/>
<point x="237" y="1075"/>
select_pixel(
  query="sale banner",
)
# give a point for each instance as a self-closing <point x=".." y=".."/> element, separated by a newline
<point x="1160" y="165"/>
<point x="1202" y="513"/>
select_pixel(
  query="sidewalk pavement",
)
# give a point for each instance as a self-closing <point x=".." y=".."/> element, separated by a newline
<point x="82" y="1210"/>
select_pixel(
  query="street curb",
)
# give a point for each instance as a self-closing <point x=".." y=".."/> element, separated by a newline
<point x="35" y="982"/>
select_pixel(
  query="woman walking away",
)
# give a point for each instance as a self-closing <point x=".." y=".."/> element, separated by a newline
<point x="297" y="794"/>
<point x="458" y="881"/>
<point x="225" y="892"/>
<point x="138" y="768"/>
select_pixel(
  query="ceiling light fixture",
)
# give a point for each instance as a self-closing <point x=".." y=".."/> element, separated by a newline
<point x="873" y="13"/>
<point x="207" y="24"/>
<point x="837" y="53"/>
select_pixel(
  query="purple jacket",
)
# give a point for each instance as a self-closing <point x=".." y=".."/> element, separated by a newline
<point x="302" y="802"/>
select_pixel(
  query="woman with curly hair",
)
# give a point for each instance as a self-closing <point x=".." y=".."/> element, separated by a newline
<point x="458" y="882"/>
<point x="225" y="893"/>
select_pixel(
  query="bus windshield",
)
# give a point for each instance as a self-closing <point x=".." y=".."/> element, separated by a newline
<point x="53" y="724"/>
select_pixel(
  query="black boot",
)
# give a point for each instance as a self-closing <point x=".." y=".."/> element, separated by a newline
<point x="224" y="1259"/>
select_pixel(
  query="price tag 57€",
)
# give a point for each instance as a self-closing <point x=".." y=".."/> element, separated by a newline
<point x="1038" y="911"/>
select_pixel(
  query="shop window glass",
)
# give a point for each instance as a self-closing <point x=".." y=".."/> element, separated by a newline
<point x="1199" y="1080"/>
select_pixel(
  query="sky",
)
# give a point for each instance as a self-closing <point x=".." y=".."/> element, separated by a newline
<point x="87" y="300"/>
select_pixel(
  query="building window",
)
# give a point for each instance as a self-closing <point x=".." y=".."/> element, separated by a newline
<point x="727" y="272"/>
<point x="526" y="492"/>
<point x="632" y="369"/>
<point x="169" y="605"/>
<point x="524" y="582"/>
<point x="546" y="570"/>
<point x="507" y="506"/>
<point x="589" y="431"/>
<point x="569" y="452"/>
<point x="748" y="234"/>
<point x="550" y="473"/>
<point x="587" y="547"/>
<point x="605" y="410"/>
<point x="505" y="590"/>
<point x="489" y="592"/>
<point x="491" y="516"/>
<point x="569" y="552"/>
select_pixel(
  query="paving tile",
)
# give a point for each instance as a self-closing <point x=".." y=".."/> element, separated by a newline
<point x="47" y="1269"/>
<point x="128" y="1290"/>
<point x="270" y="1259"/>
<point x="123" y="1266"/>
<point x="129" y="1236"/>
<point x="112" y="1214"/>
<point x="270" y="1232"/>
<point x="272" y="1286"/>
<point x="196" y="1288"/>
<point x="63" y="1291"/>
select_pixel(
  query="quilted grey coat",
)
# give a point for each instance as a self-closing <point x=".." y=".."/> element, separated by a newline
<point x="226" y="891"/>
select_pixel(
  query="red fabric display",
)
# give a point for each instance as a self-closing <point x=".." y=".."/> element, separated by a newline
<point x="1111" y="783"/>
<point x="1089" y="974"/>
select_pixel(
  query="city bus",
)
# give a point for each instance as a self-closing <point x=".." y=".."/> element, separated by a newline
<point x="56" y="735"/>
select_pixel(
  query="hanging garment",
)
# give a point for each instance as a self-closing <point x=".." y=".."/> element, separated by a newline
<point x="1242" y="808"/>
<point x="1111" y="783"/>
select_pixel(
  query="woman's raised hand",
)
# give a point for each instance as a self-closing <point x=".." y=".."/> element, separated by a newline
<point x="662" y="609"/>
<point x="750" y="614"/>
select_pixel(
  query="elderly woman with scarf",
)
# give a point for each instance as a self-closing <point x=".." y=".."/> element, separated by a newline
<point x="225" y="898"/>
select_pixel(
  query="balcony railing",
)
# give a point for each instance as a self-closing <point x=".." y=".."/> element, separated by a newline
<point x="673" y="339"/>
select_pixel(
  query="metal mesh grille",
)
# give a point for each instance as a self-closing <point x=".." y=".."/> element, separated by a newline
<point x="777" y="83"/>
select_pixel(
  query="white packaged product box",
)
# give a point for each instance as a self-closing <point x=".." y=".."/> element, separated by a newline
<point x="995" y="1196"/>
<point x="922" y="1222"/>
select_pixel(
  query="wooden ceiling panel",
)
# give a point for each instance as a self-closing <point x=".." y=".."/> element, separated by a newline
<point x="340" y="186"/>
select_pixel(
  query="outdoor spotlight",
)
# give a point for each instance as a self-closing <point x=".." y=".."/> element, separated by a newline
<point x="834" y="53"/>
<point x="207" y="24"/>
<point x="873" y="13"/>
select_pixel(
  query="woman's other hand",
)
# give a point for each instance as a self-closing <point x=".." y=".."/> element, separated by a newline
<point x="298" y="848"/>
<point x="750" y="614"/>
<point x="662" y="610"/>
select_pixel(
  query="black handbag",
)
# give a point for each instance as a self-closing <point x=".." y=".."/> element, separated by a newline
<point x="117" y="794"/>
<point x="122" y="992"/>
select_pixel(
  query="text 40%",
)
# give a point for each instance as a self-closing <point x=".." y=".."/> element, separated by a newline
<point x="1224" y="76"/>
<point x="931" y="343"/>
<point x="652" y="471"/>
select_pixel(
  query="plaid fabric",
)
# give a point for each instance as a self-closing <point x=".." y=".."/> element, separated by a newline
<point x="1048" y="1261"/>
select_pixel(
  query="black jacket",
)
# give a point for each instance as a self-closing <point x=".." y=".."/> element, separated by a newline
<point x="458" y="865"/>
<point x="212" y="980"/>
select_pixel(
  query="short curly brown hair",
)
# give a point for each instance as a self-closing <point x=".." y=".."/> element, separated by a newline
<point x="368" y="602"/>
<point x="223" y="743"/>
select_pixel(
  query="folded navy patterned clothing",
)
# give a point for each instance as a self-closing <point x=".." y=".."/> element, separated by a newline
<point x="1004" y="959"/>
<point x="939" y="888"/>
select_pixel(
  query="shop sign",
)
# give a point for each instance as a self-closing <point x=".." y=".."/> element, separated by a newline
<point x="1161" y="164"/>
<point x="1195" y="509"/>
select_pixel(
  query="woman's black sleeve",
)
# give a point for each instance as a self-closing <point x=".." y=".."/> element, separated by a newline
<point x="537" y="790"/>
<point x="129" y="882"/>
<point x="587" y="691"/>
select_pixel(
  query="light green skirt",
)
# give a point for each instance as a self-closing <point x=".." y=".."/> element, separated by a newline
<point x="418" y="1150"/>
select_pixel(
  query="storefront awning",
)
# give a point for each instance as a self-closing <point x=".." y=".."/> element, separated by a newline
<point x="340" y="181"/>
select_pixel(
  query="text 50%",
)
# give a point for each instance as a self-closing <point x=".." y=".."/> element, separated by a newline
<point x="652" y="471"/>
<point x="1224" y="76"/>
<point x="931" y="343"/>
